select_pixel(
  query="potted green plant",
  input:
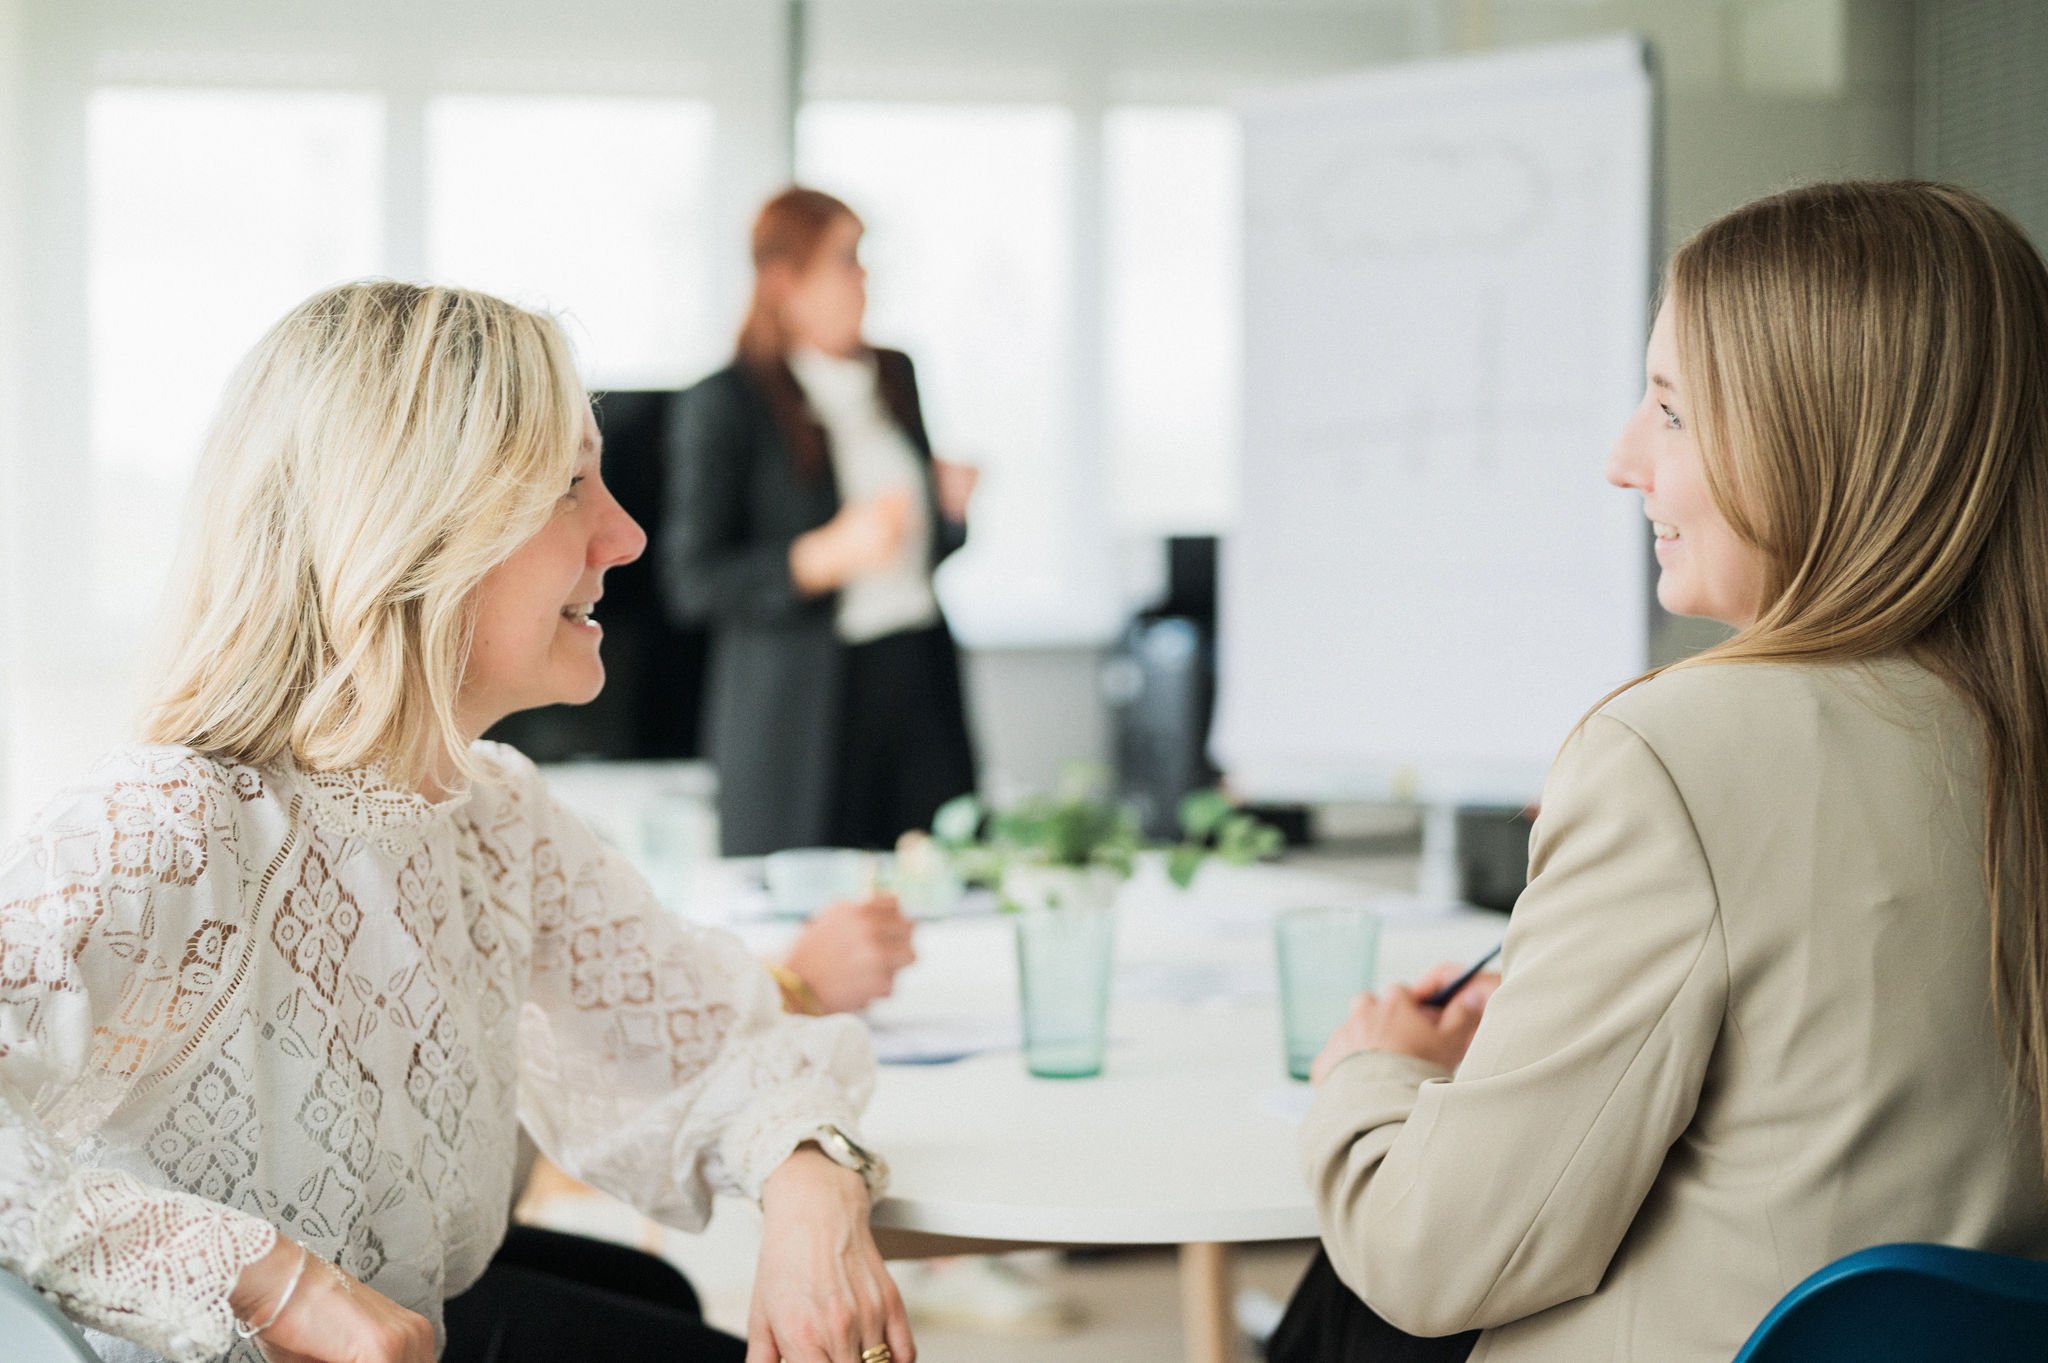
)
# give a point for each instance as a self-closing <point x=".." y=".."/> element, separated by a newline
<point x="1076" y="846"/>
<point x="1057" y="862"/>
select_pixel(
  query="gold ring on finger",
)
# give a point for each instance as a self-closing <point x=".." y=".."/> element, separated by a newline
<point x="879" y="1354"/>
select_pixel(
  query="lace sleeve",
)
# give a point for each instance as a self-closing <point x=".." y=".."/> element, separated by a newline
<point x="656" y="1060"/>
<point x="116" y="912"/>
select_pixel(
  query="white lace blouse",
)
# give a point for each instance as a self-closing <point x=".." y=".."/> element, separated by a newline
<point x="239" y="1002"/>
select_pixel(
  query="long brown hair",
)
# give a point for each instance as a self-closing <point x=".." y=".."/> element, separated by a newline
<point x="788" y="232"/>
<point x="1869" y="365"/>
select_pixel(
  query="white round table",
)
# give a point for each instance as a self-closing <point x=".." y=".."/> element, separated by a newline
<point x="1187" y="1135"/>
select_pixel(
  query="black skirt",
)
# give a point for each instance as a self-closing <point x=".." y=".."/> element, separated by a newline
<point x="903" y="749"/>
<point x="554" y="1298"/>
<point x="1327" y="1323"/>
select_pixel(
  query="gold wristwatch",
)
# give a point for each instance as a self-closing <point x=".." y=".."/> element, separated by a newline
<point x="844" y="1150"/>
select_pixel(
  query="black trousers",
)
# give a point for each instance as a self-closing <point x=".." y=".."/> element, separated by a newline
<point x="903" y="749"/>
<point x="1327" y="1323"/>
<point x="554" y="1298"/>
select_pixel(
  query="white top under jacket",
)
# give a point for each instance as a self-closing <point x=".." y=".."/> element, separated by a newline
<point x="240" y="1002"/>
<point x="871" y="455"/>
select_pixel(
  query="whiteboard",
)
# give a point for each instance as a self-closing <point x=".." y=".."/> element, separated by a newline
<point x="1447" y="283"/>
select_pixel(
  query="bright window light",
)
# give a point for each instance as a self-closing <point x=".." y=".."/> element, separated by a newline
<point x="970" y="263"/>
<point x="593" y="208"/>
<point x="212" y="212"/>
<point x="1172" y="282"/>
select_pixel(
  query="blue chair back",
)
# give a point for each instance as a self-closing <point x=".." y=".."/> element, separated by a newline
<point x="1910" y="1302"/>
<point x="33" y="1331"/>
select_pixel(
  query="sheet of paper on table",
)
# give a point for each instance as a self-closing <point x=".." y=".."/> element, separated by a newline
<point x="941" y="1040"/>
<point x="1196" y="983"/>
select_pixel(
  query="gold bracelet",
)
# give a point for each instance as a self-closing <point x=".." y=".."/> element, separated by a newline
<point x="798" y="997"/>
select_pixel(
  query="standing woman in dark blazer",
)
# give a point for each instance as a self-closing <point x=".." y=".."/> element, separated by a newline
<point x="805" y="516"/>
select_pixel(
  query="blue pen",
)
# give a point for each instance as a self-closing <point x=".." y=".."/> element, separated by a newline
<point x="1450" y="991"/>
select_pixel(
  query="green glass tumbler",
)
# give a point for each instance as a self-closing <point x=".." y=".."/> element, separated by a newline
<point x="1327" y="958"/>
<point x="1063" y="967"/>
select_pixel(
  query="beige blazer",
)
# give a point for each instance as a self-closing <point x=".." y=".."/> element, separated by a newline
<point x="1744" y="1030"/>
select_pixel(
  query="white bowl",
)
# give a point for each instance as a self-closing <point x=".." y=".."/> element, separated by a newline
<point x="803" y="880"/>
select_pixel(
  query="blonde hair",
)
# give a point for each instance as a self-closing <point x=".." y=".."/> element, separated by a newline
<point x="1868" y="364"/>
<point x="379" y="451"/>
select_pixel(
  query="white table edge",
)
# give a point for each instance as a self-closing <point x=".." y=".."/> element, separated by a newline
<point x="1109" y="1226"/>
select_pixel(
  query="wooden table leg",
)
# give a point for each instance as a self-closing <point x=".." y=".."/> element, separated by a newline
<point x="1208" y="1322"/>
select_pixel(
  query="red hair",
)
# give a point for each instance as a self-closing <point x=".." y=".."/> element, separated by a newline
<point x="787" y="232"/>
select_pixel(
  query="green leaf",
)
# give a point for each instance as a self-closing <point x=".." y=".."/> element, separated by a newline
<point x="1083" y="782"/>
<point x="1083" y="825"/>
<point x="1242" y="839"/>
<point x="1202" y="811"/>
<point x="1183" y="862"/>
<point x="1118" y="859"/>
<point x="978" y="865"/>
<point x="957" y="821"/>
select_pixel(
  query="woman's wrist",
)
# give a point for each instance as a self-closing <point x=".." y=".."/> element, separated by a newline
<point x="258" y="1296"/>
<point x="807" y="1174"/>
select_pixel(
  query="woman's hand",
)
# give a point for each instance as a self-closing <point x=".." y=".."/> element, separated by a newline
<point x="849" y="953"/>
<point x="329" y="1318"/>
<point x="863" y="537"/>
<point x="821" y="1294"/>
<point x="953" y="484"/>
<point x="1400" y="1022"/>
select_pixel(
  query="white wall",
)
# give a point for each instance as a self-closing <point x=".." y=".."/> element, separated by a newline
<point x="1193" y="51"/>
<point x="1758" y="94"/>
<point x="1034" y="710"/>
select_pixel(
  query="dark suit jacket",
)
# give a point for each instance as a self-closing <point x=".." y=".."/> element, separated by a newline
<point x="738" y="493"/>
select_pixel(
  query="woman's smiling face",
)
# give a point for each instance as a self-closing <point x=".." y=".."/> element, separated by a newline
<point x="535" y="642"/>
<point x="1708" y="570"/>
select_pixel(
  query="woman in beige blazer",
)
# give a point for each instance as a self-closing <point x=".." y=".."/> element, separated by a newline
<point x="1757" y="1007"/>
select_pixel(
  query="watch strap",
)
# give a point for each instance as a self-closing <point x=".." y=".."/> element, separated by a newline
<point x="845" y="1151"/>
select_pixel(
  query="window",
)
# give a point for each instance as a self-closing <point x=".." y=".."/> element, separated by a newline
<point x="212" y="213"/>
<point x="594" y="208"/>
<point x="1172" y="283"/>
<point x="970" y="261"/>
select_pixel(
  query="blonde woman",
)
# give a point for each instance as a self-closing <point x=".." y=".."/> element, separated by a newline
<point x="1778" y="988"/>
<point x="279" y="989"/>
